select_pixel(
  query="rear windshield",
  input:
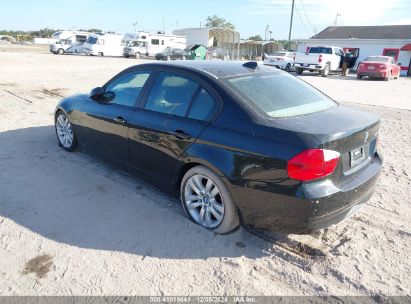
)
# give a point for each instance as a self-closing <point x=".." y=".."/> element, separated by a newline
<point x="320" y="50"/>
<point x="279" y="95"/>
<point x="377" y="59"/>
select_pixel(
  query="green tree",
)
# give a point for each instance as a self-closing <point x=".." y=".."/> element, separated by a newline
<point x="215" y="21"/>
<point x="256" y="38"/>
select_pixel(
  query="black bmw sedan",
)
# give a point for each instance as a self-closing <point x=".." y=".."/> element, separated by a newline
<point x="236" y="142"/>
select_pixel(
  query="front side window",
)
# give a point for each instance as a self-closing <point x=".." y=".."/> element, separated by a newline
<point x="171" y="94"/>
<point x="279" y="95"/>
<point x="127" y="88"/>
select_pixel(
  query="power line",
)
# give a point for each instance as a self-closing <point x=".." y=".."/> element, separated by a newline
<point x="302" y="21"/>
<point x="306" y="16"/>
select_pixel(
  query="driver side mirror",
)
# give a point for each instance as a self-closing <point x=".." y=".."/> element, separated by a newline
<point x="98" y="94"/>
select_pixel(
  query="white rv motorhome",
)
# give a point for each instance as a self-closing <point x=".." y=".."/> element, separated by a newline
<point x="66" y="40"/>
<point x="149" y="44"/>
<point x="104" y="45"/>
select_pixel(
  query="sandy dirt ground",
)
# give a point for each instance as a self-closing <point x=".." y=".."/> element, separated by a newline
<point x="71" y="224"/>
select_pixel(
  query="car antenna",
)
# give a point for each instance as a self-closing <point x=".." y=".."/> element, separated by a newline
<point x="251" y="65"/>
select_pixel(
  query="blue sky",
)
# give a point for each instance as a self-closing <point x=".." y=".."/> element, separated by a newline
<point x="249" y="16"/>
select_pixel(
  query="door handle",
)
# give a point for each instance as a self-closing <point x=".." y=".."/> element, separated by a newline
<point x="120" y="120"/>
<point x="180" y="134"/>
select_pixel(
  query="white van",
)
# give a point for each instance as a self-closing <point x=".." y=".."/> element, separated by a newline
<point x="61" y="46"/>
<point x="151" y="44"/>
<point x="104" y="45"/>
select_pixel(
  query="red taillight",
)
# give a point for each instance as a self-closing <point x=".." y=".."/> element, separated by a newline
<point x="320" y="58"/>
<point x="312" y="164"/>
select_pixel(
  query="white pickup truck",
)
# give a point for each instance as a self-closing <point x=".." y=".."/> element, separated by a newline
<point x="322" y="59"/>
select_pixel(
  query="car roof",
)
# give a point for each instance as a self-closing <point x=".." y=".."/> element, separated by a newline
<point x="218" y="68"/>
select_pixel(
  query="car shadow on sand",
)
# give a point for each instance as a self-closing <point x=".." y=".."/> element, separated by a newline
<point x="76" y="199"/>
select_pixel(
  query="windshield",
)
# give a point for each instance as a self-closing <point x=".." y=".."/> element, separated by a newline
<point x="377" y="59"/>
<point x="320" y="50"/>
<point x="91" y="40"/>
<point x="279" y="95"/>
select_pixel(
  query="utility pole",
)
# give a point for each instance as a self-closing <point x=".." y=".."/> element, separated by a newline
<point x="336" y="18"/>
<point x="291" y="25"/>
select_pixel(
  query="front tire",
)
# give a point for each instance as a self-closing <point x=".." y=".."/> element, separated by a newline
<point x="64" y="131"/>
<point x="288" y="68"/>
<point x="137" y="55"/>
<point x="359" y="76"/>
<point x="207" y="201"/>
<point x="299" y="71"/>
<point x="60" y="52"/>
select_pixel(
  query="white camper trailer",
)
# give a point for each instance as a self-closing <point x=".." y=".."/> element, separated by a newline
<point x="150" y="44"/>
<point x="104" y="45"/>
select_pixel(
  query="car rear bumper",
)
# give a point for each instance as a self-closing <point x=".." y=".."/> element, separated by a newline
<point x="310" y="67"/>
<point x="376" y="74"/>
<point x="304" y="208"/>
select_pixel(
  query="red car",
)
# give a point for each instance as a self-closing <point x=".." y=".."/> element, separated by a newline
<point x="379" y="67"/>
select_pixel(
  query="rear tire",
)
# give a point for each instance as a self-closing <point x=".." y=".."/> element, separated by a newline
<point x="326" y="70"/>
<point x="101" y="54"/>
<point x="168" y="58"/>
<point x="207" y="201"/>
<point x="137" y="55"/>
<point x="359" y="76"/>
<point x="299" y="71"/>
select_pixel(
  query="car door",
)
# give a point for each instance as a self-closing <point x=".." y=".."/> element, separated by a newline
<point x="168" y="122"/>
<point x="105" y="126"/>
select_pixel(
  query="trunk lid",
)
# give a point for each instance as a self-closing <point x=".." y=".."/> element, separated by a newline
<point x="350" y="132"/>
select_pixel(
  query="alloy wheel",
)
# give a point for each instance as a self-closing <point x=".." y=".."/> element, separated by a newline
<point x="204" y="201"/>
<point x="64" y="131"/>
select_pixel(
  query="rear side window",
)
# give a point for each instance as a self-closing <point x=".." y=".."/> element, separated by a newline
<point x="279" y="95"/>
<point x="320" y="50"/>
<point x="203" y="107"/>
<point x="171" y="94"/>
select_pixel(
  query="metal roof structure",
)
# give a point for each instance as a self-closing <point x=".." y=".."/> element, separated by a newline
<point x="365" y="32"/>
